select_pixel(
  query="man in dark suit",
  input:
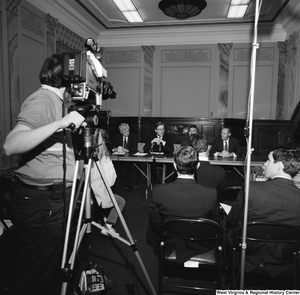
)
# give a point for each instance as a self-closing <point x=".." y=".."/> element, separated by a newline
<point x="191" y="131"/>
<point x="183" y="198"/>
<point x="125" y="142"/>
<point x="207" y="174"/>
<point x="159" y="142"/>
<point x="226" y="146"/>
<point x="275" y="200"/>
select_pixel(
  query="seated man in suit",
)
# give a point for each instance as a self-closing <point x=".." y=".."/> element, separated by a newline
<point x="160" y="142"/>
<point x="207" y="174"/>
<point x="274" y="200"/>
<point x="125" y="141"/>
<point x="191" y="131"/>
<point x="226" y="146"/>
<point x="184" y="198"/>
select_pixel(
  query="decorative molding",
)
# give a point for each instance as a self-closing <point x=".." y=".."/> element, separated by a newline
<point x="244" y="54"/>
<point x="52" y="23"/>
<point x="67" y="40"/>
<point x="189" y="55"/>
<point x="224" y="77"/>
<point x="282" y="46"/>
<point x="123" y="57"/>
<point x="148" y="79"/>
<point x="32" y="22"/>
<point x="12" y="5"/>
<point x="148" y="51"/>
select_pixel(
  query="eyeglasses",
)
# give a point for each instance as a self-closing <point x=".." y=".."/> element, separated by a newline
<point x="160" y="129"/>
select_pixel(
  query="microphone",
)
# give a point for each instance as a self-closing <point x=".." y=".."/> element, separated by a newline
<point x="83" y="113"/>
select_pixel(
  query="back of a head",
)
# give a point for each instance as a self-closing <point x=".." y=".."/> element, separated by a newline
<point x="199" y="142"/>
<point x="51" y="72"/>
<point x="186" y="160"/>
<point x="290" y="159"/>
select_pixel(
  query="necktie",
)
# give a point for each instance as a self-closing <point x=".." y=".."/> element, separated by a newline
<point x="125" y="142"/>
<point x="226" y="148"/>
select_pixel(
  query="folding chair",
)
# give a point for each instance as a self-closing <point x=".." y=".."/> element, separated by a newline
<point x="196" y="230"/>
<point x="268" y="232"/>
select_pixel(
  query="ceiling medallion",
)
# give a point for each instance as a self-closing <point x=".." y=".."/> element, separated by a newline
<point x="182" y="9"/>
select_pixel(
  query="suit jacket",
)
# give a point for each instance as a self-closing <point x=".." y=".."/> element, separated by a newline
<point x="234" y="146"/>
<point x="183" y="198"/>
<point x="131" y="143"/>
<point x="186" y="141"/>
<point x="276" y="200"/>
<point x="210" y="175"/>
<point x="168" y="148"/>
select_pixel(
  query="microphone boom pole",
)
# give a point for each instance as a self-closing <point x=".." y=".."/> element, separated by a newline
<point x="249" y="149"/>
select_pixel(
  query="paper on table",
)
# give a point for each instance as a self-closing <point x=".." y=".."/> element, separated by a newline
<point x="140" y="154"/>
<point x="156" y="153"/>
<point x="226" y="208"/>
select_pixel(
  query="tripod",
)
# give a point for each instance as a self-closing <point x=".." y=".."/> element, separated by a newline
<point x="85" y="228"/>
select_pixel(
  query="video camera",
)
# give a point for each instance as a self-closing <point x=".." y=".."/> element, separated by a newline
<point x="87" y="79"/>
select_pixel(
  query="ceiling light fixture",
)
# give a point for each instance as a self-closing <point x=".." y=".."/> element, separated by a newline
<point x="129" y="11"/>
<point x="238" y="8"/>
<point x="182" y="9"/>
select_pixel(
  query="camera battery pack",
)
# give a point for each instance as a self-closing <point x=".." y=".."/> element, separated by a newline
<point x="92" y="282"/>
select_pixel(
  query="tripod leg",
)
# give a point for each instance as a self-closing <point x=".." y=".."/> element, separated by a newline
<point x="85" y="202"/>
<point x="132" y="243"/>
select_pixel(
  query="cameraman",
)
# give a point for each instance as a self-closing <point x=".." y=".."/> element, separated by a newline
<point x="37" y="199"/>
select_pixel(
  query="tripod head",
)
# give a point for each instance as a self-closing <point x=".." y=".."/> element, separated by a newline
<point x="84" y="143"/>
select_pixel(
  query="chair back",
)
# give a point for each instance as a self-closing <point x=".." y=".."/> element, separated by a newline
<point x="271" y="232"/>
<point x="199" y="229"/>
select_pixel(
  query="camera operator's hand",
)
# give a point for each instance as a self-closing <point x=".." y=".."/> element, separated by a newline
<point x="72" y="118"/>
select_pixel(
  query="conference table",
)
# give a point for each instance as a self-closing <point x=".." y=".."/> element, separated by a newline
<point x="148" y="159"/>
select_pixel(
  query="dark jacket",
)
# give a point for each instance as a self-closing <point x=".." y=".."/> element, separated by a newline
<point x="276" y="200"/>
<point x="234" y="146"/>
<point x="131" y="144"/>
<point x="210" y="175"/>
<point x="168" y="148"/>
<point x="183" y="198"/>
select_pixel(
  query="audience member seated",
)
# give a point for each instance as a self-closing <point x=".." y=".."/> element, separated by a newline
<point x="207" y="174"/>
<point x="226" y="146"/>
<point x="159" y="142"/>
<point x="274" y="200"/>
<point x="99" y="189"/>
<point x="125" y="142"/>
<point x="183" y="198"/>
<point x="188" y="140"/>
